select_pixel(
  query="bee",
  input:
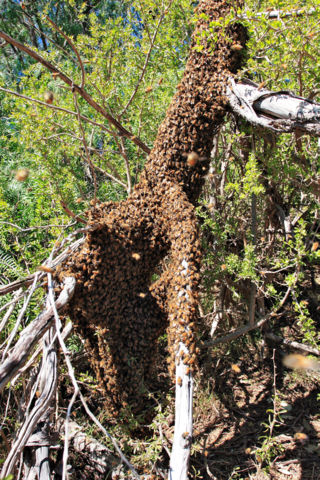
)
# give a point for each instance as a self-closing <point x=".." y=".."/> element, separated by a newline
<point x="22" y="174"/>
<point x="193" y="159"/>
<point x="301" y="437"/>
<point x="46" y="268"/>
<point x="235" y="368"/>
<point x="136" y="256"/>
<point x="48" y="97"/>
<point x="179" y="381"/>
<point x="297" y="361"/>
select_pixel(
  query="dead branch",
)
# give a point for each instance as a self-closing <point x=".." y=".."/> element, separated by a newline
<point x="180" y="454"/>
<point x="99" y="456"/>
<point x="247" y="328"/>
<point x="282" y="13"/>
<point x="11" y="305"/>
<point x="278" y="111"/>
<point x="31" y="335"/>
<point x="17" y="284"/>
<point x="19" y="319"/>
<point x="48" y="382"/>
<point x="292" y="344"/>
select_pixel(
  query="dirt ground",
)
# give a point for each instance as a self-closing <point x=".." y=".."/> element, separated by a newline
<point x="262" y="422"/>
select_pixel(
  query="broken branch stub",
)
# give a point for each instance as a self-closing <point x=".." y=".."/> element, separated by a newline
<point x="278" y="111"/>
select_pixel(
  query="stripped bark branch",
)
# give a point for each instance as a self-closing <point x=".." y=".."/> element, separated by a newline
<point x="31" y="335"/>
<point x="278" y="111"/>
<point x="48" y="382"/>
<point x="99" y="456"/>
<point x="292" y="344"/>
<point x="28" y="280"/>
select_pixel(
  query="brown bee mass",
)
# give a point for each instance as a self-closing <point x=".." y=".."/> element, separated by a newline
<point x="116" y="307"/>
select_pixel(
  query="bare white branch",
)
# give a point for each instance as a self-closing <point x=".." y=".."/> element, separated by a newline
<point x="181" y="447"/>
<point x="31" y="335"/>
<point x="281" y="111"/>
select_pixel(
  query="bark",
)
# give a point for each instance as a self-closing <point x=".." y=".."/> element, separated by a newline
<point x="30" y="336"/>
<point x="278" y="111"/>
<point x="39" y="414"/>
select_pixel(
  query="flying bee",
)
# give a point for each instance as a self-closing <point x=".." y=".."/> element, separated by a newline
<point x="46" y="268"/>
<point x="22" y="174"/>
<point x="297" y="361"/>
<point x="193" y="158"/>
<point x="48" y="97"/>
<point x="301" y="437"/>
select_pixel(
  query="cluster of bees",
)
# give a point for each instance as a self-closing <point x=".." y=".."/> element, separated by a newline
<point x="119" y="308"/>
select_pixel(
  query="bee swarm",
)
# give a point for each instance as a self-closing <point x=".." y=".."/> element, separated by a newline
<point x="116" y="307"/>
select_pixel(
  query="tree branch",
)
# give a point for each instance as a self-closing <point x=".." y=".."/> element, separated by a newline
<point x="31" y="335"/>
<point x="292" y="344"/>
<point x="84" y="94"/>
<point x="72" y="46"/>
<point x="48" y="382"/>
<point x="280" y="111"/>
<point x="152" y="42"/>
<point x="54" y="107"/>
<point x="247" y="328"/>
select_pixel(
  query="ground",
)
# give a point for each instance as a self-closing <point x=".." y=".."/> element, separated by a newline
<point x="236" y="407"/>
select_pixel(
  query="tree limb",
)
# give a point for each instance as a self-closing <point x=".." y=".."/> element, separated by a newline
<point x="48" y="380"/>
<point x="84" y="94"/>
<point x="281" y="111"/>
<point x="292" y="344"/>
<point x="31" y="335"/>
